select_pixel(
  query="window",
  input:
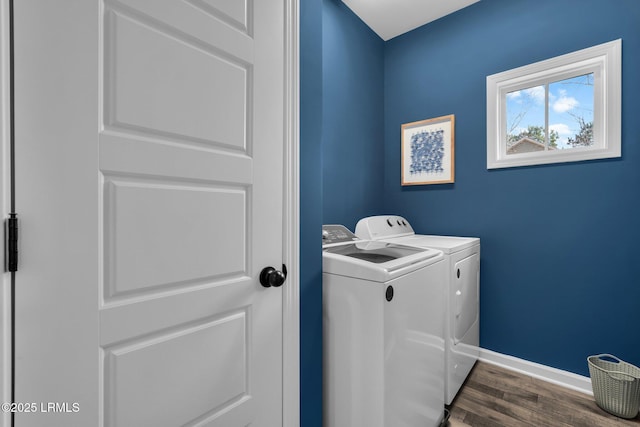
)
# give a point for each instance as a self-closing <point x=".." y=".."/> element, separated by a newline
<point x="559" y="110"/>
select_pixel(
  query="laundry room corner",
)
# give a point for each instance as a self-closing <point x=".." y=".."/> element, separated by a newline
<point x="352" y="116"/>
<point x="557" y="281"/>
<point x="557" y="269"/>
<point x="341" y="148"/>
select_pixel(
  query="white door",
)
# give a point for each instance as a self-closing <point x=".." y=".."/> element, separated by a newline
<point x="149" y="160"/>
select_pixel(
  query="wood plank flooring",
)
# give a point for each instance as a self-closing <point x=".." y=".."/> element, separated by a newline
<point x="493" y="396"/>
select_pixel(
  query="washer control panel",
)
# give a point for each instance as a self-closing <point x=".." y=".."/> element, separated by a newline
<point x="334" y="233"/>
<point x="383" y="227"/>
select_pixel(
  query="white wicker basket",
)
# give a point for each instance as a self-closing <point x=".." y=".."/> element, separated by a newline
<point x="616" y="385"/>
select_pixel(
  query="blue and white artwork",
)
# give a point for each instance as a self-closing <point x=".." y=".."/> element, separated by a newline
<point x="427" y="152"/>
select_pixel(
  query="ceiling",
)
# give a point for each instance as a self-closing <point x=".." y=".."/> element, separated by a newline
<point x="390" y="18"/>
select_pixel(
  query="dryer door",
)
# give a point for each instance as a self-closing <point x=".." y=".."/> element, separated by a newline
<point x="466" y="273"/>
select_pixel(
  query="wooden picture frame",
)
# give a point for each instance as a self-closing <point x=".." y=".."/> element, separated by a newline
<point x="428" y="154"/>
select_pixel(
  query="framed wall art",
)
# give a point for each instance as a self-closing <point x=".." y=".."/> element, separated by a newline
<point x="428" y="151"/>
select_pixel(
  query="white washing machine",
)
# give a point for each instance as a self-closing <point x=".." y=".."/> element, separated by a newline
<point x="383" y="332"/>
<point x="462" y="258"/>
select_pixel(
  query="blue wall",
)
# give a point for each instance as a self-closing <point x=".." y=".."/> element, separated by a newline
<point x="559" y="280"/>
<point x="310" y="213"/>
<point x="352" y="118"/>
<point x="342" y="121"/>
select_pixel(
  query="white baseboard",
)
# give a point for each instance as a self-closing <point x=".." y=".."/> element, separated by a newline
<point x="546" y="373"/>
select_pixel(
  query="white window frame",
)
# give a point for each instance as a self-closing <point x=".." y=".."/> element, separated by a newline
<point x="604" y="61"/>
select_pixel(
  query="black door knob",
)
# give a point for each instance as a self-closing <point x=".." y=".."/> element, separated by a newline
<point x="270" y="277"/>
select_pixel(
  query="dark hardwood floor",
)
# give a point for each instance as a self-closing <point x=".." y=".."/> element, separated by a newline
<point x="493" y="396"/>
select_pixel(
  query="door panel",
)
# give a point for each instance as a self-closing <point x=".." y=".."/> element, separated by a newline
<point x="233" y="12"/>
<point x="160" y="126"/>
<point x="136" y="370"/>
<point x="141" y="214"/>
<point x="200" y="96"/>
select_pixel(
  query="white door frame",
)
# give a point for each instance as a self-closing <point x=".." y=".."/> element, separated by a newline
<point x="291" y="221"/>
<point x="5" y="206"/>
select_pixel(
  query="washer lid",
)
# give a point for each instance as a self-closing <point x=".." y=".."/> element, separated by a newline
<point x="376" y="252"/>
<point x="447" y="244"/>
<point x="376" y="261"/>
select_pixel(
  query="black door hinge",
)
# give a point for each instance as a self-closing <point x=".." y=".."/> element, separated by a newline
<point x="12" y="243"/>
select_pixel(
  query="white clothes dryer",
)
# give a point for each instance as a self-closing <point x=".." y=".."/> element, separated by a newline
<point x="462" y="258"/>
<point x="382" y="325"/>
